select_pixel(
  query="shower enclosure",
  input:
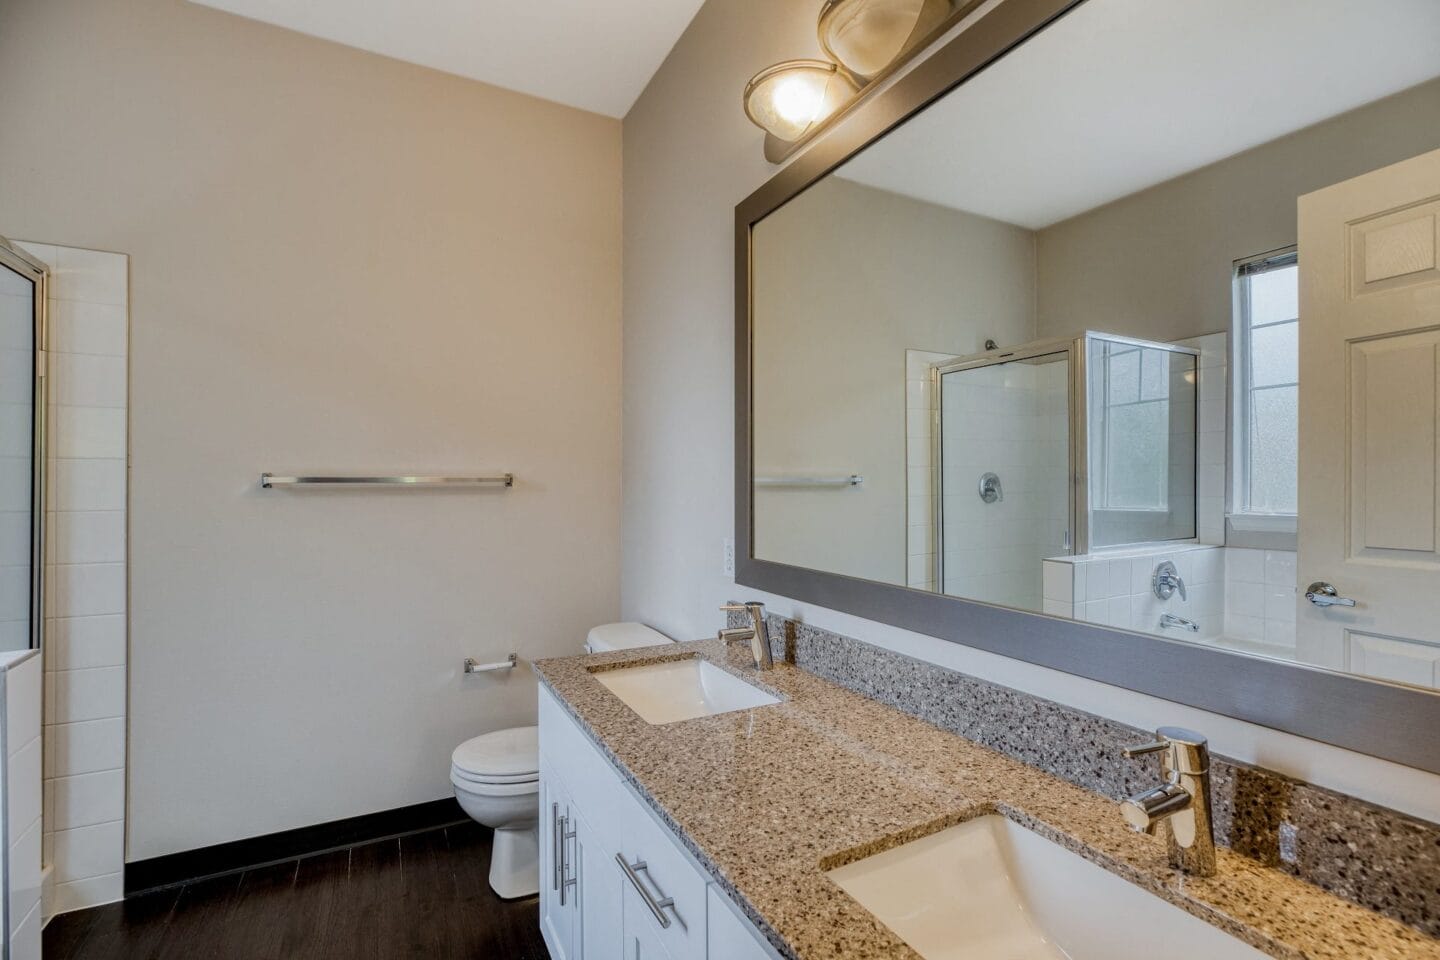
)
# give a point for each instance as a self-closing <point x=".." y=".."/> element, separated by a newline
<point x="1055" y="448"/>
<point x="23" y="282"/>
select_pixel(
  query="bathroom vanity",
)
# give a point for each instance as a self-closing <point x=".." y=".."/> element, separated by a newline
<point x="614" y="879"/>
<point x="829" y="824"/>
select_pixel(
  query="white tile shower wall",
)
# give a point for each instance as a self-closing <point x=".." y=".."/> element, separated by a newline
<point x="919" y="481"/>
<point x="85" y="679"/>
<point x="1260" y="597"/>
<point x="1009" y="420"/>
<point x="1210" y="470"/>
<point x="1114" y="589"/>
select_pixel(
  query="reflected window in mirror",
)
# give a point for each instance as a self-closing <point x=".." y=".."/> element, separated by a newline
<point x="1131" y="473"/>
<point x="1267" y="339"/>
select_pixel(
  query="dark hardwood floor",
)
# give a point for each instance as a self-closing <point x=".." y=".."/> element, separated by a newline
<point x="423" y="895"/>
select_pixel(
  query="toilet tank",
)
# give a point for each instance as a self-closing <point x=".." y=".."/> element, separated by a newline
<point x="623" y="636"/>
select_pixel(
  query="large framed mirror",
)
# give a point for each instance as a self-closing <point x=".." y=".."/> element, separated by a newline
<point x="1106" y="339"/>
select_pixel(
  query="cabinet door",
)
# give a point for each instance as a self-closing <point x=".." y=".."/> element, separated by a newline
<point x="558" y="902"/>
<point x="601" y="934"/>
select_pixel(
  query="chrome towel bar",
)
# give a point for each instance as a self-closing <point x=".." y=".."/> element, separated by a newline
<point x="269" y="480"/>
<point x="853" y="480"/>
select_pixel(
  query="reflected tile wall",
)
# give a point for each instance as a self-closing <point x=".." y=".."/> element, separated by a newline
<point x="1115" y="589"/>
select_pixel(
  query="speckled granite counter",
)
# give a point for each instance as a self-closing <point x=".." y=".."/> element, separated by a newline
<point x="767" y="799"/>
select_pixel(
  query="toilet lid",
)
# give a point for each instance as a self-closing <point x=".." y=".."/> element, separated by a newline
<point x="503" y="756"/>
<point x="490" y="780"/>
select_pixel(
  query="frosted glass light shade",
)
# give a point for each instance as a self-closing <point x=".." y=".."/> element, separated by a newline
<point x="867" y="35"/>
<point x="787" y="98"/>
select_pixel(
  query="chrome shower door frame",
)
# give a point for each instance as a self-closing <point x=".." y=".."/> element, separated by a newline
<point x="1081" y="454"/>
<point x="16" y="259"/>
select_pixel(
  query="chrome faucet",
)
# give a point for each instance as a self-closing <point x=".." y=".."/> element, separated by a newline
<point x="1167" y="581"/>
<point x="756" y="633"/>
<point x="1182" y="803"/>
<point x="1170" y="620"/>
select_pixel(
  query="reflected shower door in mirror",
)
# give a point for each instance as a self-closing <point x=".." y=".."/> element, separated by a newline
<point x="1057" y="341"/>
<point x="21" y="444"/>
<point x="1006" y="494"/>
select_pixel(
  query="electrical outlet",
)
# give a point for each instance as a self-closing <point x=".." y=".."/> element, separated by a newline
<point x="727" y="557"/>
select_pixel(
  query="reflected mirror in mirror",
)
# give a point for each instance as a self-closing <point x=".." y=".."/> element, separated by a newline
<point x="1058" y="341"/>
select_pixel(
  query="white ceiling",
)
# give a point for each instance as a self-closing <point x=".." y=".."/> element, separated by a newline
<point x="1124" y="94"/>
<point x="593" y="54"/>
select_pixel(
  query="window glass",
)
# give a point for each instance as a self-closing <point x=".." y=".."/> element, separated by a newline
<point x="1267" y="414"/>
<point x="1274" y="356"/>
<point x="1274" y="420"/>
<point x="1275" y="295"/>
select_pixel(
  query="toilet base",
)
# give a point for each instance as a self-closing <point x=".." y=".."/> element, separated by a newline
<point x="515" y="862"/>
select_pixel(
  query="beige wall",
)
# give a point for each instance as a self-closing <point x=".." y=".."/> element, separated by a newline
<point x="833" y="319"/>
<point x="338" y="262"/>
<point x="690" y="156"/>
<point x="1158" y="263"/>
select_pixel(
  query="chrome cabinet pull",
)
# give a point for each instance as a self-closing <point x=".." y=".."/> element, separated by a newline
<point x="554" y="846"/>
<point x="566" y="835"/>
<point x="1323" y="594"/>
<point x="657" y="907"/>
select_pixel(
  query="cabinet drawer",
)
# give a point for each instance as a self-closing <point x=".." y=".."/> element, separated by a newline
<point x="667" y="873"/>
<point x="642" y="940"/>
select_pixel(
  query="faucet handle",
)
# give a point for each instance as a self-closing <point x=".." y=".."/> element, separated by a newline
<point x="1146" y="748"/>
<point x="1144" y="811"/>
<point x="1188" y="751"/>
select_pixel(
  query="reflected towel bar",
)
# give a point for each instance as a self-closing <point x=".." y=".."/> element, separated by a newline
<point x="854" y="480"/>
<point x="268" y="480"/>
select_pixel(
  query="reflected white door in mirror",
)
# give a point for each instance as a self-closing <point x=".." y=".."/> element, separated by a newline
<point x="1369" y="522"/>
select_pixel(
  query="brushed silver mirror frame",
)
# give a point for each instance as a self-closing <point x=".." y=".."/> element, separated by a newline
<point x="1373" y="717"/>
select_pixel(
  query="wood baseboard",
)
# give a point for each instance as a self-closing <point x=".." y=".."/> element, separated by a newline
<point x="143" y="876"/>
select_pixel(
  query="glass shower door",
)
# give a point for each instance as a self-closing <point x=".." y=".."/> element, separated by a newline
<point x="1004" y="472"/>
<point x="21" y="435"/>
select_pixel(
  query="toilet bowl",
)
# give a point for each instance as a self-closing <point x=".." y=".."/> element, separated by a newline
<point x="497" y="780"/>
<point x="496" y="777"/>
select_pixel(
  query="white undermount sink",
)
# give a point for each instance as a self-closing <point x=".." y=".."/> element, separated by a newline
<point x="989" y="889"/>
<point x="681" y="690"/>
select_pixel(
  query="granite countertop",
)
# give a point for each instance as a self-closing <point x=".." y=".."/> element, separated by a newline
<point x="767" y="799"/>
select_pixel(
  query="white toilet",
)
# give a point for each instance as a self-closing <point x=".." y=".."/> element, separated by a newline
<point x="497" y="779"/>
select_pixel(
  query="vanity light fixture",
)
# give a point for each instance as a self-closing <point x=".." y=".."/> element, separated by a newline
<point x="864" y="41"/>
<point x="866" y="36"/>
<point x="785" y="100"/>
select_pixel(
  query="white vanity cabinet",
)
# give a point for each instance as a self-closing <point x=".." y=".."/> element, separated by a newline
<point x="630" y="891"/>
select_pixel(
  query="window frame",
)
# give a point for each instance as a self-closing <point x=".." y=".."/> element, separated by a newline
<point x="1240" y="515"/>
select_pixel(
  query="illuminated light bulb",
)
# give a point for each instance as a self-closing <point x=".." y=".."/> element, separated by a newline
<point x="798" y="98"/>
<point x="787" y="99"/>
